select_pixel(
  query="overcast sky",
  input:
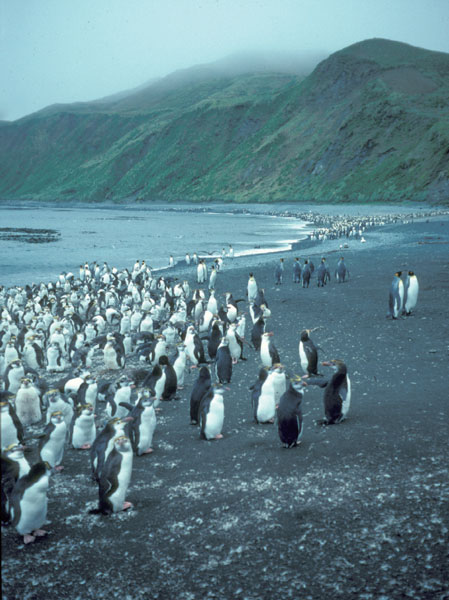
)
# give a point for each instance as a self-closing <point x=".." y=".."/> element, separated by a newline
<point x="74" y="50"/>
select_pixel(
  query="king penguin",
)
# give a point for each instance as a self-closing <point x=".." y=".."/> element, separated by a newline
<point x="396" y="297"/>
<point x="411" y="293"/>
<point x="289" y="414"/>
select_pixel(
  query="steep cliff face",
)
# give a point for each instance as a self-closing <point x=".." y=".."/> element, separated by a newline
<point x="370" y="123"/>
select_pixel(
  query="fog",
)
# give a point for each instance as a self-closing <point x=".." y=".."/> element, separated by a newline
<point x="54" y="51"/>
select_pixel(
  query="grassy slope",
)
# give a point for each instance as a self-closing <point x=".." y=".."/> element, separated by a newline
<point x="370" y="123"/>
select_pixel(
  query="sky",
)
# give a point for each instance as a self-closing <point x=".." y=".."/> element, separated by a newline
<point x="63" y="51"/>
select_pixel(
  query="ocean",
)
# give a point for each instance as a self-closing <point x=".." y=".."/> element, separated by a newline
<point x="122" y="235"/>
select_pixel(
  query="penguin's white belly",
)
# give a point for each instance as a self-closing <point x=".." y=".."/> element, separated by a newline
<point x="53" y="451"/>
<point x="146" y="430"/>
<point x="28" y="407"/>
<point x="124" y="477"/>
<point x="84" y="431"/>
<point x="265" y="355"/>
<point x="110" y="358"/>
<point x="179" y="368"/>
<point x="303" y="358"/>
<point x="33" y="507"/>
<point x="9" y="431"/>
<point x="234" y="348"/>
<point x="412" y="296"/>
<point x="347" y="402"/>
<point x="266" y="408"/>
<point x="214" y="421"/>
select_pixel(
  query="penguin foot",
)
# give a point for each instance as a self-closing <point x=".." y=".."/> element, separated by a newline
<point x="28" y="538"/>
<point x="127" y="505"/>
<point x="148" y="451"/>
<point x="85" y="447"/>
<point x="59" y="468"/>
<point x="219" y="436"/>
<point x="39" y="532"/>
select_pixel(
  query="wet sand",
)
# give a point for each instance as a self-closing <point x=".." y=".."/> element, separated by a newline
<point x="358" y="510"/>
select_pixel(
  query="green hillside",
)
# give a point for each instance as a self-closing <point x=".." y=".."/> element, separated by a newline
<point x="370" y="123"/>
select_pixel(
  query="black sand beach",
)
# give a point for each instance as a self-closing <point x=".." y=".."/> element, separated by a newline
<point x="358" y="510"/>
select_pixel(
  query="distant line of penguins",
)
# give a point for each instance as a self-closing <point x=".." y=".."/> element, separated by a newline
<point x="117" y="317"/>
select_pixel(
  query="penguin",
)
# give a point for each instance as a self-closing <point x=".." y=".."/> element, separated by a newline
<point x="214" y="339"/>
<point x="11" y="427"/>
<point x="55" y="358"/>
<point x="268" y="352"/>
<point x="33" y="355"/>
<point x="201" y="386"/>
<point x="212" y="415"/>
<point x="29" y="502"/>
<point x="289" y="415"/>
<point x="87" y="391"/>
<point x="296" y="271"/>
<point x="278" y="379"/>
<point x="257" y="332"/>
<point x="278" y="272"/>
<point x="341" y="271"/>
<point x="171" y="381"/>
<point x="51" y="445"/>
<point x="251" y="288"/>
<point x="337" y="392"/>
<point x="28" y="403"/>
<point x="223" y="362"/>
<point x="118" y="396"/>
<point x="141" y="428"/>
<point x="194" y="347"/>
<point x="179" y="366"/>
<point x="411" y="293"/>
<point x="308" y="353"/>
<point x="113" y="354"/>
<point x="235" y="343"/>
<point x="14" y="373"/>
<point x="83" y="431"/>
<point x="155" y="381"/>
<point x="212" y="277"/>
<point x="306" y="274"/>
<point x="103" y="444"/>
<point x="14" y="466"/>
<point x="55" y="401"/>
<point x="115" y="478"/>
<point x="396" y="297"/>
<point x="322" y="273"/>
<point x="262" y="402"/>
<point x="212" y="304"/>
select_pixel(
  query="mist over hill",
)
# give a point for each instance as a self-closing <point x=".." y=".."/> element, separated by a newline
<point x="369" y="123"/>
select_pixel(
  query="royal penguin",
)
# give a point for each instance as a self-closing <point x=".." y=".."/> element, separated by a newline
<point x="14" y="374"/>
<point x="55" y="358"/>
<point x="223" y="362"/>
<point x="212" y="415"/>
<point x="11" y="427"/>
<point x="118" y="396"/>
<point x="278" y="379"/>
<point x="179" y="366"/>
<point x="235" y="343"/>
<point x="200" y="387"/>
<point x="141" y="428"/>
<point x="83" y="431"/>
<point x="396" y="297"/>
<point x="113" y="354"/>
<point x="214" y="338"/>
<point x="251" y="288"/>
<point x="194" y="347"/>
<point x="337" y="392"/>
<point x="268" y="351"/>
<point x="52" y="443"/>
<point x="308" y="353"/>
<point x="103" y="444"/>
<point x="28" y="403"/>
<point x="411" y="293"/>
<point x="55" y="401"/>
<point x="115" y="478"/>
<point x="257" y="331"/>
<point x="33" y="355"/>
<point x="171" y="380"/>
<point x="28" y="505"/>
<point x="289" y="414"/>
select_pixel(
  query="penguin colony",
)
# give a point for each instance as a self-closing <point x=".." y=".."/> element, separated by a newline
<point x="146" y="332"/>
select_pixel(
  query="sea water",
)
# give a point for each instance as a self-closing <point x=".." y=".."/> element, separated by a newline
<point x="120" y="236"/>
